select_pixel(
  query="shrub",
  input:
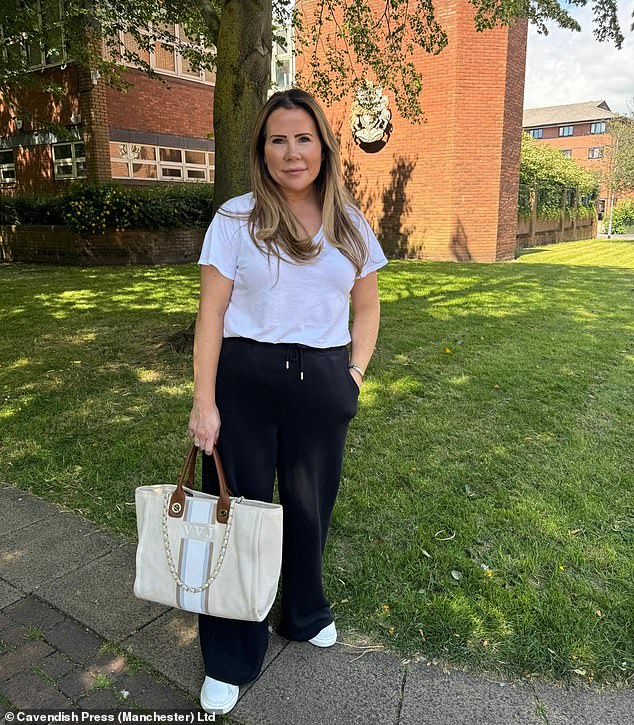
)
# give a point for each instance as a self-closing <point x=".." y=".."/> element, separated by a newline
<point x="93" y="208"/>
<point x="174" y="206"/>
<point x="32" y="209"/>
<point x="622" y="216"/>
<point x="551" y="174"/>
<point x="8" y="214"/>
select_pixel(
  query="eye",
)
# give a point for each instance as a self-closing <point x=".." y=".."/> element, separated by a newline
<point x="278" y="140"/>
<point x="305" y="138"/>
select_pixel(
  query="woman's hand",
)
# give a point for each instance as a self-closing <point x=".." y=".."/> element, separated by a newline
<point x="356" y="376"/>
<point x="204" y="426"/>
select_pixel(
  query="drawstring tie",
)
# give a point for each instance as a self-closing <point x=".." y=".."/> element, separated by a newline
<point x="293" y="355"/>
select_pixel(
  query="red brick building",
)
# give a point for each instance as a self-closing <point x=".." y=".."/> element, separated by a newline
<point x="579" y="130"/>
<point x="157" y="130"/>
<point x="446" y="189"/>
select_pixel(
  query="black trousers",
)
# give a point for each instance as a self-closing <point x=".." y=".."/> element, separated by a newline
<point x="284" y="408"/>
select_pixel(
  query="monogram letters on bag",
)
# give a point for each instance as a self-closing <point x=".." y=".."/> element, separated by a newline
<point x="199" y="532"/>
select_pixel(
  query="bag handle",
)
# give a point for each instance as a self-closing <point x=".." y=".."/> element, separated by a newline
<point x="187" y="475"/>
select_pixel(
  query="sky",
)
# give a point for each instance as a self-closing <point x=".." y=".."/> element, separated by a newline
<point x="569" y="67"/>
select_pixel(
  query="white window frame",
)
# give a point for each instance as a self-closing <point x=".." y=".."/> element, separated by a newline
<point x="563" y="130"/>
<point x="74" y="159"/>
<point x="567" y="153"/>
<point x="178" y="64"/>
<point x="595" y="152"/>
<point x="43" y="60"/>
<point x="600" y="124"/>
<point x="184" y="166"/>
<point x="282" y="55"/>
<point x="7" y="167"/>
<point x="536" y="132"/>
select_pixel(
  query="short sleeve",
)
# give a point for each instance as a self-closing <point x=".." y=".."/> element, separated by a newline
<point x="220" y="245"/>
<point x="376" y="257"/>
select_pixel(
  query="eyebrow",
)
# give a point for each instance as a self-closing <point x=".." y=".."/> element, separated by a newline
<point x="283" y="135"/>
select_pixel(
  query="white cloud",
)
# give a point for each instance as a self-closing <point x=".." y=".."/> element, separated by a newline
<point x="568" y="67"/>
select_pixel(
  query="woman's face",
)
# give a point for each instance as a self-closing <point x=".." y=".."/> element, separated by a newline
<point x="292" y="151"/>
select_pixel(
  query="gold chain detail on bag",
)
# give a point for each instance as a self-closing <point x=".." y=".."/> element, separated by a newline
<point x="223" y="549"/>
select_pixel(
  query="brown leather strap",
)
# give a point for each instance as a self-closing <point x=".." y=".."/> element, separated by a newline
<point x="187" y="477"/>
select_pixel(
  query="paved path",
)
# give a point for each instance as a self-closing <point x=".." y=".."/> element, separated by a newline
<point x="72" y="635"/>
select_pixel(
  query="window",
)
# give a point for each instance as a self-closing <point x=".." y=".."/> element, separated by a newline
<point x="567" y="153"/>
<point x="565" y="130"/>
<point x="595" y="152"/>
<point x="70" y="160"/>
<point x="598" y="127"/>
<point x="49" y="48"/>
<point x="165" y="58"/>
<point x="7" y="166"/>
<point x="537" y="132"/>
<point x="138" y="161"/>
<point x="602" y="203"/>
<point x="282" y="60"/>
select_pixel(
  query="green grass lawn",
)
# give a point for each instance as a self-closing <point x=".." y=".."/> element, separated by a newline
<point x="486" y="515"/>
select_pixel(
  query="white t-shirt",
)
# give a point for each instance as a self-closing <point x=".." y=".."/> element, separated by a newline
<point x="302" y="303"/>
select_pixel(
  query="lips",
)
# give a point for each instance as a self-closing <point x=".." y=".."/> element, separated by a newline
<point x="294" y="171"/>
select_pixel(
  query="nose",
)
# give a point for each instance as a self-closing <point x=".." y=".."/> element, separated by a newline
<point x="292" y="150"/>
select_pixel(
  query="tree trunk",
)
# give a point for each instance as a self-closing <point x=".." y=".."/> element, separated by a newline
<point x="242" y="81"/>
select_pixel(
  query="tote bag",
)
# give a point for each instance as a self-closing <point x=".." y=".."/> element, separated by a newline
<point x="217" y="555"/>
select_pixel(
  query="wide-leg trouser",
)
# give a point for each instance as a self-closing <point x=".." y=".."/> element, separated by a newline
<point x="284" y="408"/>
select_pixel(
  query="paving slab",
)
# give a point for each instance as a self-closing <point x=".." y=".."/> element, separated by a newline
<point x="56" y="665"/>
<point x="16" y="634"/>
<point x="307" y="685"/>
<point x="8" y="594"/>
<point x="76" y="683"/>
<point x="32" y="611"/>
<point x="434" y="697"/>
<point x="23" y="657"/>
<point x="21" y="509"/>
<point x="582" y="706"/>
<point x="74" y="640"/>
<point x="170" y="645"/>
<point x="29" y="690"/>
<point x="48" y="549"/>
<point x="99" y="700"/>
<point x="101" y="595"/>
<point x="164" y="697"/>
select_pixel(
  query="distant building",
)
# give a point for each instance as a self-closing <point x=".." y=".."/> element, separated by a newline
<point x="579" y="130"/>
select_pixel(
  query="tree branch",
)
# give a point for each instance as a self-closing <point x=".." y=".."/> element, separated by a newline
<point x="211" y="18"/>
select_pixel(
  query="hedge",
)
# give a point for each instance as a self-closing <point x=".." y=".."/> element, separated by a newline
<point x="622" y="216"/>
<point x="547" y="171"/>
<point x="93" y="208"/>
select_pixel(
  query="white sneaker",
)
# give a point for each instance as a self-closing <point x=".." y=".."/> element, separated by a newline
<point x="219" y="697"/>
<point x="326" y="638"/>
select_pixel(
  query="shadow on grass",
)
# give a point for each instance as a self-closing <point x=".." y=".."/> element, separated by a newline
<point x="495" y="420"/>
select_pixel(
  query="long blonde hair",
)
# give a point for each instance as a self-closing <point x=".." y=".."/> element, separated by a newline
<point x="272" y="225"/>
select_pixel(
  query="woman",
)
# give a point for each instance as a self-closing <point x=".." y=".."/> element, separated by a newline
<point x="273" y="383"/>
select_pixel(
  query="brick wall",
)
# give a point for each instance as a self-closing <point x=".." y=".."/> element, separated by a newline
<point x="60" y="245"/>
<point x="447" y="189"/>
<point x="44" y="106"/>
<point x="33" y="158"/>
<point x="179" y="107"/>
<point x="551" y="231"/>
